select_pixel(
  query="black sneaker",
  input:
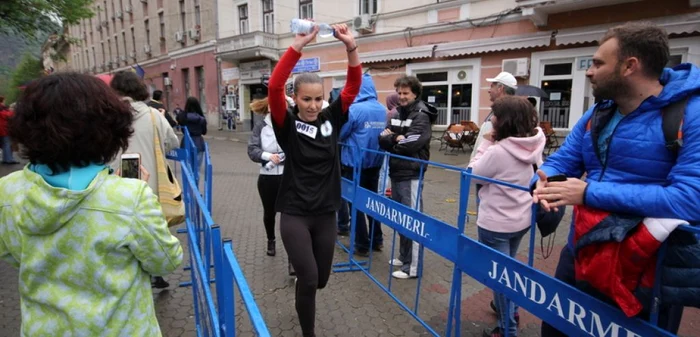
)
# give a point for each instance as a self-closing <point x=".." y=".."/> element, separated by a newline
<point x="159" y="283"/>
<point x="378" y="248"/>
<point x="517" y="315"/>
<point x="362" y="252"/>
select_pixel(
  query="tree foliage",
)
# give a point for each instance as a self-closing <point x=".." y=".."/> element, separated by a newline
<point x="26" y="17"/>
<point x="29" y="69"/>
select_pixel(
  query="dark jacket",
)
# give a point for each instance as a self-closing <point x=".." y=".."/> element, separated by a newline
<point x="196" y="125"/>
<point x="159" y="105"/>
<point x="414" y="122"/>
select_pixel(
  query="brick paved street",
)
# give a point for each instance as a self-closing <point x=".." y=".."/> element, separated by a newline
<point x="351" y="305"/>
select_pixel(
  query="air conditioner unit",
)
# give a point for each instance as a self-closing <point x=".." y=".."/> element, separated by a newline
<point x="105" y="23"/>
<point x="119" y="15"/>
<point x="147" y="49"/>
<point x="132" y="55"/>
<point x="519" y="67"/>
<point x="98" y="28"/>
<point x="179" y="36"/>
<point x="116" y="60"/>
<point x="362" y="23"/>
<point x="128" y="9"/>
<point x="167" y="81"/>
<point x="194" y="34"/>
<point x="123" y="58"/>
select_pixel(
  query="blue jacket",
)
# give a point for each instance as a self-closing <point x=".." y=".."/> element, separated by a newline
<point x="641" y="177"/>
<point x="366" y="121"/>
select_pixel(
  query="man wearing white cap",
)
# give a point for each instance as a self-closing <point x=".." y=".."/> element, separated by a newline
<point x="501" y="85"/>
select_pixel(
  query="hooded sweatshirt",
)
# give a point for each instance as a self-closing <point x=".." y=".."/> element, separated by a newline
<point x="504" y="209"/>
<point x="366" y="121"/>
<point x="85" y="256"/>
<point x="141" y="141"/>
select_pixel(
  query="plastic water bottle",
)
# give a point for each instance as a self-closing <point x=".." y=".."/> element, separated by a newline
<point x="299" y="26"/>
<point x="270" y="165"/>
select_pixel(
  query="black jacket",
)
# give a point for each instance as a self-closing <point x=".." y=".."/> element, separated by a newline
<point x="414" y="122"/>
<point x="158" y="105"/>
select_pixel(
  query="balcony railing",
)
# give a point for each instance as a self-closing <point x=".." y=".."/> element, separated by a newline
<point x="251" y="40"/>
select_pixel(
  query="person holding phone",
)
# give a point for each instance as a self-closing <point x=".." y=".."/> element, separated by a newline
<point x="507" y="154"/>
<point x="309" y="195"/>
<point x="131" y="88"/>
<point x="84" y="240"/>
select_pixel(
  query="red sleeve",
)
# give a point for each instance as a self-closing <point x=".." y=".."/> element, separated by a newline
<point x="352" y="87"/>
<point x="276" y="99"/>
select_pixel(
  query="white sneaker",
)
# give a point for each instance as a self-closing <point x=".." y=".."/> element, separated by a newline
<point x="396" y="262"/>
<point x="401" y="275"/>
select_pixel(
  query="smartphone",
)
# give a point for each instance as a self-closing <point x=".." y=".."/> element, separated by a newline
<point x="131" y="165"/>
<point x="558" y="177"/>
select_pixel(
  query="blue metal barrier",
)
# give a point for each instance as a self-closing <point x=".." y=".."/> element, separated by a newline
<point x="564" y="307"/>
<point x="207" y="249"/>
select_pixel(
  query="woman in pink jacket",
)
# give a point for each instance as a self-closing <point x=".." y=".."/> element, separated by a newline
<point x="507" y="154"/>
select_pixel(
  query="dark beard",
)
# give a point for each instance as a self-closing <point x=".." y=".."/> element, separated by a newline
<point x="611" y="87"/>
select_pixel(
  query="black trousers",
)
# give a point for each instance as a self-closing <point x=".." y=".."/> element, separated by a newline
<point x="310" y="242"/>
<point x="268" y="186"/>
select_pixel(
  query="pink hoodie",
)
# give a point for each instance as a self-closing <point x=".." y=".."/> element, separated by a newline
<point x="503" y="209"/>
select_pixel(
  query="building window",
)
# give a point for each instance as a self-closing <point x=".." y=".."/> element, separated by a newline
<point x="368" y="6"/>
<point x="183" y="16"/>
<point x="268" y="17"/>
<point x="148" y="32"/>
<point x="306" y="9"/>
<point x="126" y="53"/>
<point x="116" y="46"/>
<point x="557" y="80"/>
<point x="161" y="22"/>
<point x="197" y="14"/>
<point x="199" y="72"/>
<point x="243" y="19"/>
<point x="452" y="98"/>
<point x="186" y="82"/>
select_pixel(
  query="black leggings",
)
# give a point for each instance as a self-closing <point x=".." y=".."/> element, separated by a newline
<point x="309" y="241"/>
<point x="268" y="186"/>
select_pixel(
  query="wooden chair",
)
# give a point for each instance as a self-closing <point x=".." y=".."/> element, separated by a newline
<point x="551" y="135"/>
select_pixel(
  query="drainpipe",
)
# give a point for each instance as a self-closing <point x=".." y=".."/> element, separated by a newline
<point x="218" y="63"/>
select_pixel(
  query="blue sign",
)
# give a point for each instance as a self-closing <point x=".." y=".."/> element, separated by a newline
<point x="432" y="233"/>
<point x="307" y="65"/>
<point x="559" y="304"/>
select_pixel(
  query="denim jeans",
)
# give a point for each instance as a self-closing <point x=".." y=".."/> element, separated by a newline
<point x="6" y="149"/>
<point x="506" y="243"/>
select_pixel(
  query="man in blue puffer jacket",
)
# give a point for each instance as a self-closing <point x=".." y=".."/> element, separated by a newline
<point x="619" y="144"/>
<point x="366" y="120"/>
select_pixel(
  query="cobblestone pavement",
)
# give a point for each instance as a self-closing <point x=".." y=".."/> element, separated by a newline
<point x="351" y="305"/>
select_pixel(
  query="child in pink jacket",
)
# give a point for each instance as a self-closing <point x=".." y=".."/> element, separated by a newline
<point x="507" y="154"/>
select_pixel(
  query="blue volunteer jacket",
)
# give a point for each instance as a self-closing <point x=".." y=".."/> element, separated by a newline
<point x="366" y="120"/>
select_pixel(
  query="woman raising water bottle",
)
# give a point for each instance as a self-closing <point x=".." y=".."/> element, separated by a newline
<point x="309" y="194"/>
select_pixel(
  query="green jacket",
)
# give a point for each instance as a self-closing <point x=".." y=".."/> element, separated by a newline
<point x="85" y="257"/>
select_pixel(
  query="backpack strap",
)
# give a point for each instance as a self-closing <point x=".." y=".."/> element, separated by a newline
<point x="672" y="124"/>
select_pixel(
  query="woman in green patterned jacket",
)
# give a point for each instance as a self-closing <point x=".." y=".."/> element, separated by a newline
<point x="85" y="240"/>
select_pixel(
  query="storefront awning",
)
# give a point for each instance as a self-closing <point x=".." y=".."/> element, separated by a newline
<point x="410" y="53"/>
<point x="539" y="39"/>
<point x="680" y="24"/>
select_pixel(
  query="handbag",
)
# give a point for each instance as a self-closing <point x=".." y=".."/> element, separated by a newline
<point x="547" y="223"/>
<point x="169" y="191"/>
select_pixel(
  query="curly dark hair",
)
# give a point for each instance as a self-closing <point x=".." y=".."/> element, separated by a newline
<point x="409" y="82"/>
<point x="70" y="119"/>
<point x="515" y="117"/>
<point x="128" y="84"/>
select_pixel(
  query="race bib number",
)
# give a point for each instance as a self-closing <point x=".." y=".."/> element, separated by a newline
<point x="306" y="129"/>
